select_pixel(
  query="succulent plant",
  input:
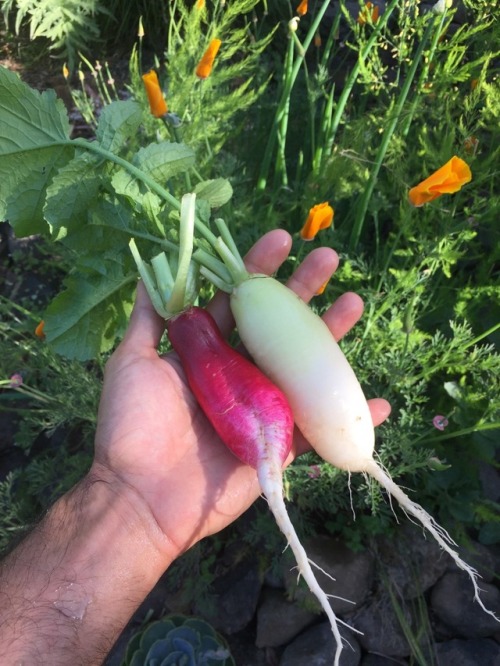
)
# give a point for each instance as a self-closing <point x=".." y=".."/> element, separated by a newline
<point x="178" y="640"/>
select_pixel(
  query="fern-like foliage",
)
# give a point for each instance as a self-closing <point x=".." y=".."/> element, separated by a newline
<point x="211" y="110"/>
<point x="69" y="26"/>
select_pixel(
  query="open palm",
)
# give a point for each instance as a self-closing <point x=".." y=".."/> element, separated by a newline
<point x="153" y="437"/>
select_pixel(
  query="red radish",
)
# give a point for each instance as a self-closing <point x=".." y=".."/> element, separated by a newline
<point x="251" y="416"/>
<point x="247" y="411"/>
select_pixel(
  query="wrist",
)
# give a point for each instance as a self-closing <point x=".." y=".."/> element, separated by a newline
<point x="128" y="507"/>
<point x="69" y="588"/>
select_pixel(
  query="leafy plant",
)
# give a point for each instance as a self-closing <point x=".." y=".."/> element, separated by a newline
<point x="177" y="640"/>
<point x="65" y="188"/>
<point x="69" y="26"/>
<point x="210" y="111"/>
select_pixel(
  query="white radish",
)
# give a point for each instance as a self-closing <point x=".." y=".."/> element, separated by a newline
<point x="296" y="350"/>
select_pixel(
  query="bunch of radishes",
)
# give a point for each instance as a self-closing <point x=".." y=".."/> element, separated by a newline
<point x="302" y="377"/>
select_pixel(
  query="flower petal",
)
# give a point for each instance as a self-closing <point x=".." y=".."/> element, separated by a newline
<point x="157" y="103"/>
<point x="302" y="8"/>
<point x="204" y="67"/>
<point x="320" y="217"/>
<point x="448" y="179"/>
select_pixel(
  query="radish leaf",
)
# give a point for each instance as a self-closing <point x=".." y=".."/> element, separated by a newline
<point x="34" y="143"/>
<point x="118" y="122"/>
<point x="71" y="193"/>
<point x="84" y="320"/>
<point x="217" y="192"/>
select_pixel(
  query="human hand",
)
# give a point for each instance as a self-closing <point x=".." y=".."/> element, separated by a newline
<point x="154" y="440"/>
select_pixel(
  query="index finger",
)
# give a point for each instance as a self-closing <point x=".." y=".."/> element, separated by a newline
<point x="266" y="256"/>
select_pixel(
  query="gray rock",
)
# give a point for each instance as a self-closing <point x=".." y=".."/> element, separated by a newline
<point x="236" y="598"/>
<point x="479" y="556"/>
<point x="381" y="627"/>
<point x="452" y="600"/>
<point x="353" y="574"/>
<point x="279" y="620"/>
<point x="483" y="651"/>
<point x="417" y="562"/>
<point x="316" y="647"/>
<point x="382" y="660"/>
<point x="490" y="481"/>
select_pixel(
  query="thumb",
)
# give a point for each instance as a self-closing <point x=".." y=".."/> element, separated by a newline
<point x="146" y="327"/>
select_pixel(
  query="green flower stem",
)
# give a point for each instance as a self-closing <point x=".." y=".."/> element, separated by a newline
<point x="377" y="310"/>
<point x="386" y="138"/>
<point x="351" y="80"/>
<point x="423" y="75"/>
<point x="479" y="427"/>
<point x="482" y="336"/>
<point x="290" y="77"/>
<point x="175" y="134"/>
<point x="331" y="40"/>
<point x="325" y="133"/>
<point x="282" y="128"/>
<point x="28" y="391"/>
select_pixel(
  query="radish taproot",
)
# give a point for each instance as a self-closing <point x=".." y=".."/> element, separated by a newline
<point x="251" y="416"/>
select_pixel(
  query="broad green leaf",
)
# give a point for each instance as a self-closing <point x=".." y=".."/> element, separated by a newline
<point x="127" y="186"/>
<point x="108" y="230"/>
<point x="118" y="122"/>
<point x="29" y="119"/>
<point x="71" y="194"/>
<point x="84" y="320"/>
<point x="217" y="192"/>
<point x="164" y="160"/>
<point x="24" y="178"/>
<point x="147" y="205"/>
<point x="112" y="214"/>
<point x="34" y="144"/>
<point x="151" y="210"/>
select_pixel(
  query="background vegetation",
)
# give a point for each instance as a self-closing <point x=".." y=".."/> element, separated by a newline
<point x="327" y="108"/>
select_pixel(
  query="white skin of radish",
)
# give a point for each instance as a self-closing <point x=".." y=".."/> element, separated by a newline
<point x="295" y="349"/>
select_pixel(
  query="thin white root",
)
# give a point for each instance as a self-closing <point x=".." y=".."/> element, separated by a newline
<point x="438" y="532"/>
<point x="271" y="483"/>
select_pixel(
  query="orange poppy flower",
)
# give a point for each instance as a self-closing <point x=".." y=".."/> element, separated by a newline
<point x="302" y="8"/>
<point x="446" y="180"/>
<point x="157" y="104"/>
<point x="205" y="65"/>
<point x="39" y="330"/>
<point x="321" y="289"/>
<point x="320" y="217"/>
<point x="369" y="11"/>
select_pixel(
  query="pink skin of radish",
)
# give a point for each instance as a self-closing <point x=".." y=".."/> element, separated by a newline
<point x="251" y="416"/>
<point x="248" y="412"/>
